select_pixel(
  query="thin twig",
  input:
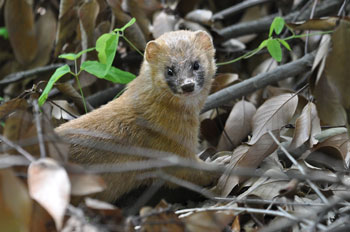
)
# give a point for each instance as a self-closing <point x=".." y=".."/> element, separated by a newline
<point x="342" y="8"/>
<point x="228" y="12"/>
<point x="273" y="202"/>
<point x="18" y="76"/>
<point x="311" y="17"/>
<point x="240" y="209"/>
<point x="17" y="148"/>
<point x="39" y="129"/>
<point x="259" y="81"/>
<point x="263" y="24"/>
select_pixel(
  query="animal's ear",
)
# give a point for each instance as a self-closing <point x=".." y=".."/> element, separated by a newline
<point x="204" y="39"/>
<point x="152" y="49"/>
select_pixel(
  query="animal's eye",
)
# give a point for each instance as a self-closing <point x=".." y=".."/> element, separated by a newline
<point x="195" y="65"/>
<point x="170" y="72"/>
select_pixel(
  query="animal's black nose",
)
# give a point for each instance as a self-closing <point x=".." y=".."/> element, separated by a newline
<point x="187" y="88"/>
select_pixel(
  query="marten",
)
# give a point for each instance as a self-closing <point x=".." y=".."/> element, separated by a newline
<point x="157" y="114"/>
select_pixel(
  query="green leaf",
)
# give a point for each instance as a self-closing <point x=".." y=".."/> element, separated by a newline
<point x="114" y="74"/>
<point x="68" y="56"/>
<point x="106" y="47"/>
<point x="4" y="32"/>
<point x="277" y="26"/>
<point x="84" y="51"/>
<point x="94" y="67"/>
<point x="284" y="43"/>
<point x="73" y="56"/>
<point x="61" y="71"/>
<point x="130" y="23"/>
<point x="274" y="48"/>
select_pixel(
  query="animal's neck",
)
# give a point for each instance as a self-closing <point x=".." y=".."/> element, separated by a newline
<point x="172" y="116"/>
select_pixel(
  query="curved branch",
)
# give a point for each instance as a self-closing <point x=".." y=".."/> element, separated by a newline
<point x="226" y="13"/>
<point x="260" y="81"/>
<point x="263" y="24"/>
<point x="14" y="77"/>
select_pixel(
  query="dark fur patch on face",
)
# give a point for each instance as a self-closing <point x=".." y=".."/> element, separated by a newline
<point x="200" y="77"/>
<point x="171" y="79"/>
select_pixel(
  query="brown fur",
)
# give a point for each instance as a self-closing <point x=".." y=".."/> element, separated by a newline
<point x="147" y="116"/>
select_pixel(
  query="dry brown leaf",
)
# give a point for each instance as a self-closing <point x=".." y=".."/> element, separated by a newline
<point x="163" y="22"/>
<point x="238" y="125"/>
<point x="183" y="24"/>
<point x="331" y="152"/>
<point x="236" y="225"/>
<point x="209" y="221"/>
<point x="160" y="219"/>
<point x="112" y="214"/>
<point x="272" y="91"/>
<point x="133" y="33"/>
<point x="265" y="66"/>
<point x="269" y="189"/>
<point x="226" y="182"/>
<point x="41" y="220"/>
<point x="223" y="80"/>
<point x="323" y="24"/>
<point x="12" y="105"/>
<point x="273" y="115"/>
<point x="252" y="13"/>
<point x="329" y="109"/>
<point x="83" y="183"/>
<point x="87" y="20"/>
<point x="148" y="6"/>
<point x="200" y="16"/>
<point x="49" y="185"/>
<point x="19" y="21"/>
<point x="98" y="205"/>
<point x="61" y="109"/>
<point x="45" y="34"/>
<point x="232" y="46"/>
<point x="321" y="55"/>
<point x="306" y="127"/>
<point x="67" y="23"/>
<point x="17" y="125"/>
<point x="246" y="157"/>
<point x="136" y="8"/>
<point x="15" y="203"/>
<point x="338" y="64"/>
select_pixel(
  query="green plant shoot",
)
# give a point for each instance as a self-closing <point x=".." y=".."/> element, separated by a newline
<point x="61" y="71"/>
<point x="272" y="44"/>
<point x="106" y="47"/>
<point x="4" y="32"/>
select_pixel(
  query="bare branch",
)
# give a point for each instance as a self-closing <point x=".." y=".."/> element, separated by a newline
<point x="259" y="81"/>
<point x="18" y="76"/>
<point x="226" y="13"/>
<point x="263" y="24"/>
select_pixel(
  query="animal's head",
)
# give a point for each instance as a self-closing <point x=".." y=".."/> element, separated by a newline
<point x="182" y="62"/>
